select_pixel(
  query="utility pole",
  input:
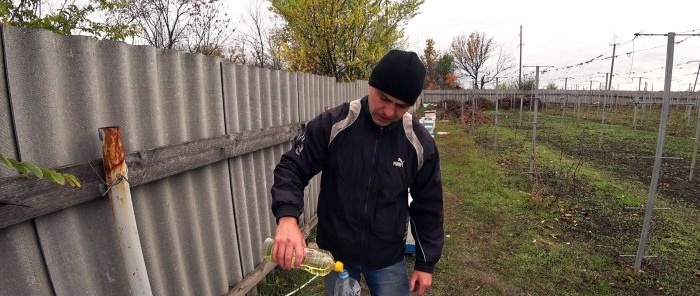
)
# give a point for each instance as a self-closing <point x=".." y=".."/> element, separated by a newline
<point x="520" y="65"/>
<point x="612" y="64"/>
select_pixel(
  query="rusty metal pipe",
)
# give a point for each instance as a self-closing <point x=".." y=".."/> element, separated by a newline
<point x="116" y="173"/>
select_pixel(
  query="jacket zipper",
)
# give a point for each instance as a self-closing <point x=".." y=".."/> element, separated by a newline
<point x="369" y="191"/>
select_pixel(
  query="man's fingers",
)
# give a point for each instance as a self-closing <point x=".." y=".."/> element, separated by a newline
<point x="288" y="255"/>
<point x="299" y="254"/>
<point x="421" y="291"/>
<point x="283" y="252"/>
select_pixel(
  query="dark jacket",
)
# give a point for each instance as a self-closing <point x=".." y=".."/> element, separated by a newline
<point x="367" y="172"/>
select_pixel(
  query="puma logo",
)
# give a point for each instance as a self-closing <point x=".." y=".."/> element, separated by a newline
<point x="300" y="143"/>
<point x="399" y="163"/>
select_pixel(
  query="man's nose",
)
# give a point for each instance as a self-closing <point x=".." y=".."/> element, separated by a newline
<point x="389" y="111"/>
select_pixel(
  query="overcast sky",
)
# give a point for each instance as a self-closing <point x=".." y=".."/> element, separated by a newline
<point x="566" y="33"/>
<point x="571" y="32"/>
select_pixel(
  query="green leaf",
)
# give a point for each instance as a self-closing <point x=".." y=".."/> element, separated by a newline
<point x="13" y="163"/>
<point x="4" y="160"/>
<point x="34" y="169"/>
<point x="56" y="177"/>
<point x="72" y="180"/>
<point x="22" y="169"/>
<point x="26" y="168"/>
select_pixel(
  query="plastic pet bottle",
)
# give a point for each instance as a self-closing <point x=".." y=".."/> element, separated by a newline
<point x="346" y="285"/>
<point x="316" y="261"/>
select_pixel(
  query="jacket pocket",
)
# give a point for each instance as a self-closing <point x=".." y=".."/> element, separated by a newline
<point x="389" y="219"/>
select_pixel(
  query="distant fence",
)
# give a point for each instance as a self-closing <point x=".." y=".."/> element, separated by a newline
<point x="202" y="137"/>
<point x="563" y="98"/>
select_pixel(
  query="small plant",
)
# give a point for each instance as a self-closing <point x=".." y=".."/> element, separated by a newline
<point x="27" y="168"/>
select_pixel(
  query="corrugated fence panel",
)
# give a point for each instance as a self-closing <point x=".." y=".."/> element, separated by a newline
<point x="270" y="118"/>
<point x="256" y="180"/>
<point x="7" y="137"/>
<point x="239" y="110"/>
<point x="304" y="93"/>
<point x="318" y="103"/>
<point x="22" y="271"/>
<point x="63" y="89"/>
<point x="329" y="100"/>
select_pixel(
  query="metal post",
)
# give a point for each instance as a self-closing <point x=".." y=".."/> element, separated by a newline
<point x="634" y="118"/>
<point x="659" y="153"/>
<point x="688" y="111"/>
<point x="696" y="78"/>
<point x="640" y="84"/>
<point x="612" y="63"/>
<point x="123" y="210"/>
<point x="695" y="141"/>
<point x="520" y="118"/>
<point x="461" y="110"/>
<point x="533" y="155"/>
<point x="495" y="132"/>
<point x="606" y="83"/>
<point x="472" y="124"/>
<point x="520" y="66"/>
<point x="578" y="109"/>
<point x="602" y="122"/>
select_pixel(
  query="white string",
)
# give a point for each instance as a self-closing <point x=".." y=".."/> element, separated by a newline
<point x="302" y="286"/>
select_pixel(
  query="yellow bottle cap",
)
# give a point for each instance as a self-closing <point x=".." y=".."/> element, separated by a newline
<point x="338" y="266"/>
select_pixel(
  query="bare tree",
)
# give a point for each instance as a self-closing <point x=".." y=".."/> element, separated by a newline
<point x="235" y="53"/>
<point x="471" y="55"/>
<point x="504" y="62"/>
<point x="162" y="23"/>
<point x="260" y="31"/>
<point x="255" y="37"/>
<point x="209" y="33"/>
<point x="190" y="25"/>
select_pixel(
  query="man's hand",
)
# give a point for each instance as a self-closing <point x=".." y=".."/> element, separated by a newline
<point x="288" y="240"/>
<point x="420" y="281"/>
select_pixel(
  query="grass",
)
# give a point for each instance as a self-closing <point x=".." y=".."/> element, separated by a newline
<point x="560" y="231"/>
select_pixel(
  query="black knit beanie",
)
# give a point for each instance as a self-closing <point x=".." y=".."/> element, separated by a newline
<point x="400" y="74"/>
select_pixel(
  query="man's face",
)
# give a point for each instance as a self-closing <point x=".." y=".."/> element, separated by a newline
<point x="384" y="108"/>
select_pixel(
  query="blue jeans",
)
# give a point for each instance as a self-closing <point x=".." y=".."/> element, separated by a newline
<point x="391" y="280"/>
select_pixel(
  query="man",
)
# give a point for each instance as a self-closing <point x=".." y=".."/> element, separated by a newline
<point x="371" y="151"/>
